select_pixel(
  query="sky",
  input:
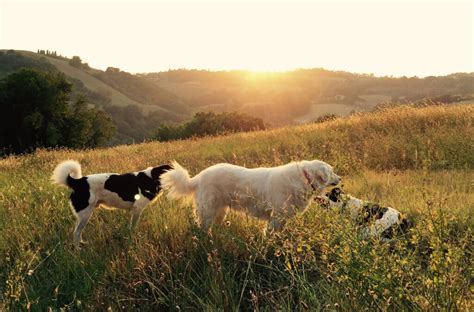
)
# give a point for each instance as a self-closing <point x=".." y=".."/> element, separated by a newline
<point x="384" y="37"/>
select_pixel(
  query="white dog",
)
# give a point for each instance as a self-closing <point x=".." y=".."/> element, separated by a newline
<point x="378" y="222"/>
<point x="131" y="191"/>
<point x="271" y="194"/>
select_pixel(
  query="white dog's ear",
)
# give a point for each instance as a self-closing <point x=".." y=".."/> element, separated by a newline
<point x="318" y="175"/>
<point x="321" y="177"/>
<point x="308" y="176"/>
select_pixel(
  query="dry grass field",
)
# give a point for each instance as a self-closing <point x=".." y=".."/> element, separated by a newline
<point x="418" y="160"/>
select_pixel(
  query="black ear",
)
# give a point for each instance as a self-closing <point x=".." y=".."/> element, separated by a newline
<point x="334" y="194"/>
<point x="158" y="171"/>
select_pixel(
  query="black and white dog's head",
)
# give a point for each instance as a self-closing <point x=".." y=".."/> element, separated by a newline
<point x="377" y="221"/>
<point x="332" y="199"/>
<point x="335" y="194"/>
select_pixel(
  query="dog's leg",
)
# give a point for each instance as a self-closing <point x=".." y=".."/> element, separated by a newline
<point x="220" y="215"/>
<point x="210" y="214"/>
<point x="209" y="209"/>
<point x="206" y="216"/>
<point x="83" y="217"/>
<point x="136" y="212"/>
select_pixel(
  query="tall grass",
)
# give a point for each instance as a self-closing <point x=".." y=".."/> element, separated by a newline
<point x="419" y="161"/>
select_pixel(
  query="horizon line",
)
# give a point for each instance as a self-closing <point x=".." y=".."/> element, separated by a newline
<point x="263" y="71"/>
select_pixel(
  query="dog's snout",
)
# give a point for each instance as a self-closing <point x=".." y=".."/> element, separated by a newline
<point x="336" y="181"/>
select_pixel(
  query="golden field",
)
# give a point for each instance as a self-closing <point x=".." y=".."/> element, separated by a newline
<point x="418" y="160"/>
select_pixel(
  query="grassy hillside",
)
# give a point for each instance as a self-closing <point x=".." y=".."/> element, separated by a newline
<point x="92" y="83"/>
<point x="420" y="161"/>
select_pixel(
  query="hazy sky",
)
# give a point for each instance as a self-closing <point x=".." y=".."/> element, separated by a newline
<point x="417" y="37"/>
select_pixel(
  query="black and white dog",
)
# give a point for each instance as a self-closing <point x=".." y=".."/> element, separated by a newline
<point x="132" y="191"/>
<point x="379" y="222"/>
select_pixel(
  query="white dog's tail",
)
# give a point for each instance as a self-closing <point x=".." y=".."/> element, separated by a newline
<point x="65" y="170"/>
<point x="177" y="182"/>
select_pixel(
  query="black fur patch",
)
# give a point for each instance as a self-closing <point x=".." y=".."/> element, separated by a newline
<point x="333" y="195"/>
<point x="147" y="185"/>
<point x="80" y="193"/>
<point x="372" y="212"/>
<point x="128" y="185"/>
<point x="125" y="185"/>
<point x="158" y="171"/>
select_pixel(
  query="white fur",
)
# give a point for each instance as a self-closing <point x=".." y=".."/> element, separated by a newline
<point x="177" y="182"/>
<point x="67" y="167"/>
<point x="271" y="194"/>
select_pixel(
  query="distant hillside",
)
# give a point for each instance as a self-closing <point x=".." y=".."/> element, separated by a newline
<point x="303" y="95"/>
<point x="141" y="103"/>
<point x="136" y="113"/>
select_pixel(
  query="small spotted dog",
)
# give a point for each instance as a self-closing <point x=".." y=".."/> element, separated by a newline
<point x="380" y="222"/>
<point x="132" y="191"/>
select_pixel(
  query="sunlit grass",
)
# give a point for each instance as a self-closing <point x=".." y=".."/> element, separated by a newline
<point x="419" y="161"/>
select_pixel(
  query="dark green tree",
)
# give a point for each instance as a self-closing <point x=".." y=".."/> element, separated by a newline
<point x="210" y="123"/>
<point x="35" y="112"/>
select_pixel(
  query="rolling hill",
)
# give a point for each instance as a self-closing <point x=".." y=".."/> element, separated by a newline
<point x="140" y="103"/>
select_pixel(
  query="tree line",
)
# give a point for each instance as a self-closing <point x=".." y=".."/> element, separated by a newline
<point x="35" y="111"/>
<point x="209" y="124"/>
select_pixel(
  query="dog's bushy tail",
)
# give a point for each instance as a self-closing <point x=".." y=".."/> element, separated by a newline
<point x="177" y="182"/>
<point x="68" y="168"/>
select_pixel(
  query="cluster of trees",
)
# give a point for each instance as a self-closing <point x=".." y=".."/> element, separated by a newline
<point x="35" y="111"/>
<point x="76" y="61"/>
<point x="48" y="53"/>
<point x="11" y="61"/>
<point x="209" y="123"/>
